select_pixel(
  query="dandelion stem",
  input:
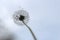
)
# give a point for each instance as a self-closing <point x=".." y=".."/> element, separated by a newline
<point x="30" y="31"/>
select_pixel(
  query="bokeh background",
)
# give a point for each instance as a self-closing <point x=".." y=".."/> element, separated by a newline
<point x="44" y="18"/>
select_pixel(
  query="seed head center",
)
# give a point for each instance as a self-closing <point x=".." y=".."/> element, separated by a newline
<point x="21" y="18"/>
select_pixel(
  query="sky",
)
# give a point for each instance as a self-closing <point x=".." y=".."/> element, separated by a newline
<point x="44" y="18"/>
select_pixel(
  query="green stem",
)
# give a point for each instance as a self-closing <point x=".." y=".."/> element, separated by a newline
<point x="30" y="31"/>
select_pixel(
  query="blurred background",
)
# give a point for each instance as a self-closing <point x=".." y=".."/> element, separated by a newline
<point x="44" y="18"/>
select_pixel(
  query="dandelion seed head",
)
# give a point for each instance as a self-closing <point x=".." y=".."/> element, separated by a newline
<point x="21" y="15"/>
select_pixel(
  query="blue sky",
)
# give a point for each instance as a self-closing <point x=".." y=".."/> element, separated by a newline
<point x="44" y="18"/>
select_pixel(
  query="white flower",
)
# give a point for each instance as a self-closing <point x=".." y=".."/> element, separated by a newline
<point x="19" y="16"/>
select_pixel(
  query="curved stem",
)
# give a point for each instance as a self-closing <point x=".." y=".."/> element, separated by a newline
<point x="30" y="31"/>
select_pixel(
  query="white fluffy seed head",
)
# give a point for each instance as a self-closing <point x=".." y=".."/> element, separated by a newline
<point x="18" y="14"/>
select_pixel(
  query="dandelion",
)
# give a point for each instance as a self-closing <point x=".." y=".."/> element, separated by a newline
<point x="22" y="17"/>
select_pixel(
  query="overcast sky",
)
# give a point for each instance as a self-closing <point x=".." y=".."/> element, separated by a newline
<point x="44" y="18"/>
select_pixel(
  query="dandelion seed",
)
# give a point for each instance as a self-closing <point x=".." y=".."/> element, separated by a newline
<point x="21" y="17"/>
